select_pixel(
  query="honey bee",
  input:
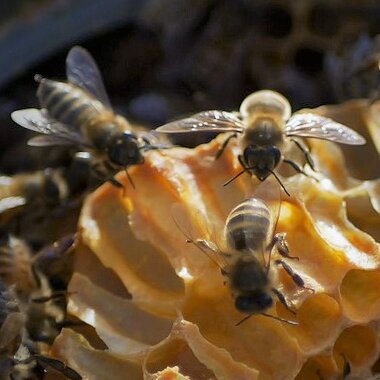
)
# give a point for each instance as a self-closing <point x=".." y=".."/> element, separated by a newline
<point x="265" y="123"/>
<point x="19" y="357"/>
<point x="78" y="112"/>
<point x="28" y="316"/>
<point x="246" y="258"/>
<point x="47" y="187"/>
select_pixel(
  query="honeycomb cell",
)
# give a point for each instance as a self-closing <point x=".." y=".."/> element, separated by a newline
<point x="360" y="295"/>
<point x="319" y="367"/>
<point x="319" y="320"/>
<point x="174" y="353"/>
<point x="358" y="346"/>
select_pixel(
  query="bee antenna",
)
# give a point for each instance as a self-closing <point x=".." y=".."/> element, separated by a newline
<point x="236" y="176"/>
<point x="294" y="323"/>
<point x="279" y="181"/>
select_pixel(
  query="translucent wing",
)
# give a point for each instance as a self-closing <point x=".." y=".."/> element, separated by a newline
<point x="319" y="127"/>
<point x="82" y="70"/>
<point x="183" y="221"/>
<point x="47" y="140"/>
<point x="207" y="121"/>
<point x="9" y="203"/>
<point x="153" y="140"/>
<point x="37" y="121"/>
<point x="269" y="192"/>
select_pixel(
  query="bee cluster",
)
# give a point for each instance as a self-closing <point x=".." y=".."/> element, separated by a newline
<point x="216" y="230"/>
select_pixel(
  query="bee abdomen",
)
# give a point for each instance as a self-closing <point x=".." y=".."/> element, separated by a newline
<point x="66" y="103"/>
<point x="247" y="225"/>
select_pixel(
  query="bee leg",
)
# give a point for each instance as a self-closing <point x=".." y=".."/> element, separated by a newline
<point x="279" y="241"/>
<point x="295" y="276"/>
<point x="282" y="299"/>
<point x="295" y="166"/>
<point x="306" y="153"/>
<point x="224" y="145"/>
<point x="118" y="184"/>
<point x="99" y="171"/>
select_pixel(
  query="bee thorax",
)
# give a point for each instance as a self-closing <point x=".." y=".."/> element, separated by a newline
<point x="255" y="302"/>
<point x="264" y="131"/>
<point x="248" y="275"/>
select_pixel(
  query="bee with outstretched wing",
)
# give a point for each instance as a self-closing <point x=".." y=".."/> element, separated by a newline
<point x="79" y="113"/>
<point x="265" y="124"/>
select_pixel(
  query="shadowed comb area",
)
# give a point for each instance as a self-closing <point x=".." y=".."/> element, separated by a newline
<point x="159" y="304"/>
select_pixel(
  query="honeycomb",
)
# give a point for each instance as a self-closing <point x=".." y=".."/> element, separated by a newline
<point x="155" y="307"/>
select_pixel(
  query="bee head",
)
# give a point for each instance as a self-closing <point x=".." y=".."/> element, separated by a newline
<point x="261" y="160"/>
<point x="123" y="149"/>
<point x="254" y="302"/>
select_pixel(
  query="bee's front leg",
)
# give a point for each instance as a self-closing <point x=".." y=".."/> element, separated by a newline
<point x="102" y="172"/>
<point x="279" y="241"/>
<point x="224" y="145"/>
<point x="305" y="152"/>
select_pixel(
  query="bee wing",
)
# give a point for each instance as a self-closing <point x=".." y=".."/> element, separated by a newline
<point x="186" y="225"/>
<point x="49" y="141"/>
<point x="319" y="127"/>
<point x="154" y="140"/>
<point x="269" y="192"/>
<point x="9" y="203"/>
<point x="82" y="70"/>
<point x="207" y="121"/>
<point x="37" y="121"/>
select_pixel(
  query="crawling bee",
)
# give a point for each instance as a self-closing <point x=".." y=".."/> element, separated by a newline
<point x="28" y="318"/>
<point x="79" y="113"/>
<point x="19" y="357"/>
<point x="249" y="240"/>
<point x="45" y="187"/>
<point x="266" y="124"/>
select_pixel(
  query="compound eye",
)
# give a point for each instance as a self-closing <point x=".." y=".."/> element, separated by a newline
<point x="275" y="153"/>
<point x="266" y="101"/>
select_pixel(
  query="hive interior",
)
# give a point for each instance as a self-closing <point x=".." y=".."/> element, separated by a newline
<point x="159" y="305"/>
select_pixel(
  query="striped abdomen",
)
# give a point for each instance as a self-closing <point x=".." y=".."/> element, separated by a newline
<point x="248" y="225"/>
<point x="67" y="103"/>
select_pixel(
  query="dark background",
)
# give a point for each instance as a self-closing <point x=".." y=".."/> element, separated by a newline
<point x="164" y="59"/>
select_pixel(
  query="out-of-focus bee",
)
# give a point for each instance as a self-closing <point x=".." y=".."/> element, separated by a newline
<point x="79" y="113"/>
<point x="19" y="357"/>
<point x="44" y="187"/>
<point x="30" y="201"/>
<point x="266" y="124"/>
<point x="248" y="242"/>
<point x="29" y="317"/>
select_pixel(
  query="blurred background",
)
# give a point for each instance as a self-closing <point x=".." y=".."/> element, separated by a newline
<point x="163" y="59"/>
